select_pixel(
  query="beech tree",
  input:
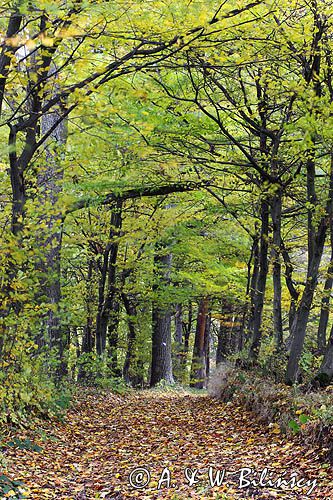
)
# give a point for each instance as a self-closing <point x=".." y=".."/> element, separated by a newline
<point x="198" y="368"/>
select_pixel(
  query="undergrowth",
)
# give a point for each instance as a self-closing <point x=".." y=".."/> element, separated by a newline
<point x="292" y="410"/>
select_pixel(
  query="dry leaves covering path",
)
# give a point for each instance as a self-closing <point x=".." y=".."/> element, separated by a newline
<point x="106" y="437"/>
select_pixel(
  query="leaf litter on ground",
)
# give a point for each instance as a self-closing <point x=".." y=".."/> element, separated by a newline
<point x="105" y="438"/>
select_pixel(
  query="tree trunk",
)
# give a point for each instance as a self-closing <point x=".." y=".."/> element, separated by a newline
<point x="223" y="337"/>
<point x="88" y="339"/>
<point x="161" y="365"/>
<point x="187" y="328"/>
<point x="294" y="294"/>
<point x="179" y="346"/>
<point x="316" y="248"/>
<point x="247" y="314"/>
<point x="261" y="283"/>
<point x="255" y="255"/>
<point x="325" y="302"/>
<point x="49" y="185"/>
<point x="312" y="201"/>
<point x="161" y="368"/>
<point x="207" y="344"/>
<point x="198" y="368"/>
<point x="325" y="374"/>
<point x="276" y="207"/>
<point x="14" y="25"/>
<point x="179" y="325"/>
<point x="324" y="314"/>
<point x="108" y="279"/>
<point x="112" y="335"/>
<point x="303" y="311"/>
<point x="129" y="365"/>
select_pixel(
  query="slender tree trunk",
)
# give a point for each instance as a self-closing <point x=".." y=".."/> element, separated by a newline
<point x="325" y="302"/>
<point x="294" y="294"/>
<point x="88" y="339"/>
<point x="103" y="267"/>
<point x="325" y="374"/>
<point x="247" y="308"/>
<point x="253" y="283"/>
<point x="112" y="335"/>
<point x="107" y="283"/>
<point x="129" y="365"/>
<point x="276" y="208"/>
<point x="14" y="25"/>
<point x="312" y="200"/>
<point x="184" y="352"/>
<point x="302" y="314"/>
<point x="222" y="343"/>
<point x="18" y="185"/>
<point x="179" y="347"/>
<point x="234" y="330"/>
<point x="179" y="325"/>
<point x="316" y="248"/>
<point x="49" y="184"/>
<point x="187" y="328"/>
<point x="259" y="294"/>
<point x="207" y="344"/>
<point x="161" y="365"/>
<point x="223" y="337"/>
<point x="324" y="313"/>
<point x="198" y="368"/>
<point x="261" y="283"/>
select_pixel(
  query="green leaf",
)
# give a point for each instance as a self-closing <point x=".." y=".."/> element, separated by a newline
<point x="303" y="418"/>
<point x="293" y="425"/>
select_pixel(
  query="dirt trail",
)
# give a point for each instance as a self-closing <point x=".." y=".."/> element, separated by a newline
<point x="176" y="437"/>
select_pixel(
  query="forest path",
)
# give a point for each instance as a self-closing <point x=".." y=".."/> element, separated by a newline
<point x="106" y="437"/>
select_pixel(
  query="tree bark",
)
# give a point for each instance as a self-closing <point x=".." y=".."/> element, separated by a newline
<point x="317" y="247"/>
<point x="179" y="346"/>
<point x="261" y="283"/>
<point x="325" y="373"/>
<point x="325" y="302"/>
<point x="49" y="185"/>
<point x="207" y="344"/>
<point x="187" y="328"/>
<point x="198" y="367"/>
<point x="179" y="325"/>
<point x="88" y="339"/>
<point x="112" y="336"/>
<point x="107" y="282"/>
<point x="161" y="365"/>
<point x="302" y="314"/>
<point x="255" y="255"/>
<point x="276" y="208"/>
<point x="247" y="313"/>
<point x="223" y="337"/>
<point x="129" y="365"/>
<point x="14" y="25"/>
<point x="294" y="294"/>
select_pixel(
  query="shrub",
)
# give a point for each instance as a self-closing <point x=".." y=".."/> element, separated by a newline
<point x="30" y="392"/>
<point x="291" y="410"/>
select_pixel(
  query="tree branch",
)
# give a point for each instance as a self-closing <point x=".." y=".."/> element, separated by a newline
<point x="137" y="192"/>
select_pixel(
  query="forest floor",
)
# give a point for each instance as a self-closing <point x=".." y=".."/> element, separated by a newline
<point x="175" y="438"/>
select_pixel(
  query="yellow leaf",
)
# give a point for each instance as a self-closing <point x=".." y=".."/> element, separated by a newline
<point x="47" y="41"/>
